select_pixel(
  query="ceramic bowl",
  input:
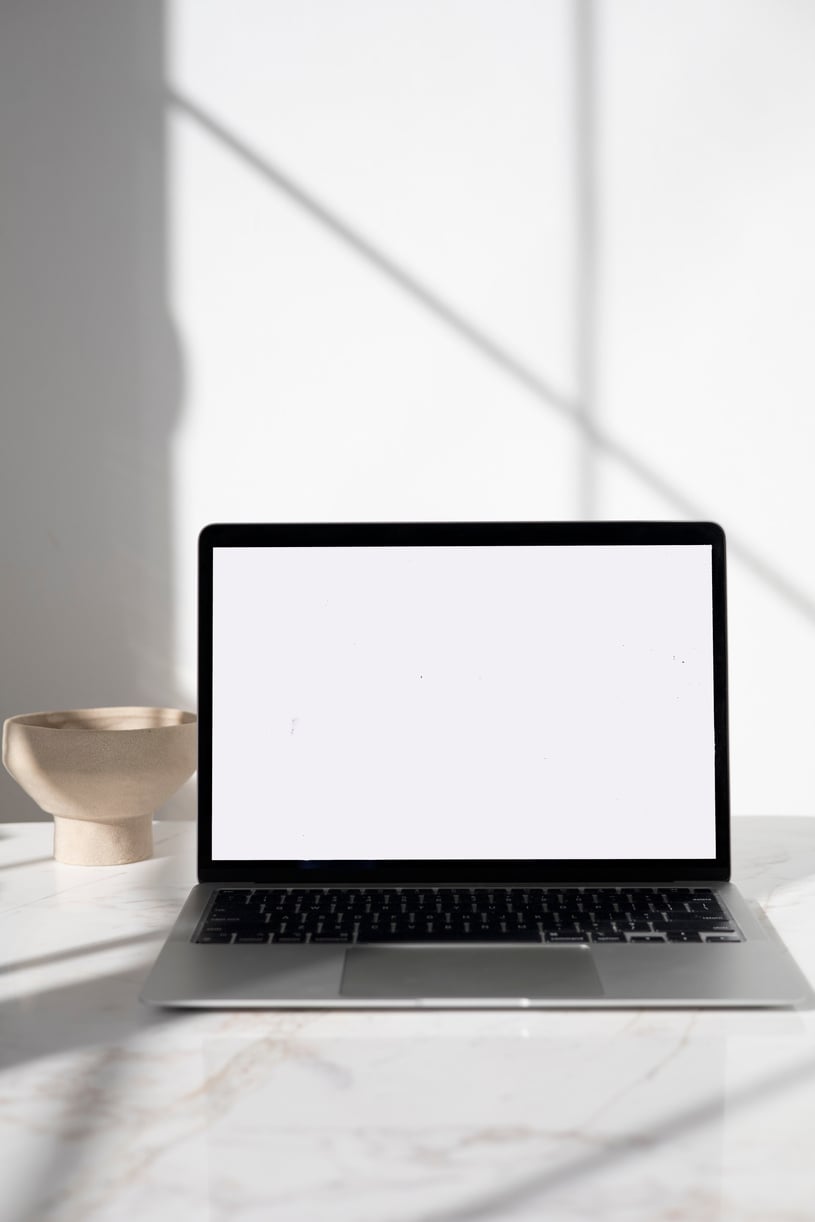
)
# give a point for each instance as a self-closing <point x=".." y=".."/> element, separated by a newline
<point x="102" y="773"/>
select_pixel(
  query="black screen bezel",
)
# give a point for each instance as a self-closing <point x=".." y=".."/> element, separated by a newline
<point x="479" y="871"/>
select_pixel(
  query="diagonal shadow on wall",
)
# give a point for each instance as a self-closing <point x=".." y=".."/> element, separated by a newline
<point x="572" y="409"/>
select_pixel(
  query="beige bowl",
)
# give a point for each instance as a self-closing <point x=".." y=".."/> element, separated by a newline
<point x="101" y="773"/>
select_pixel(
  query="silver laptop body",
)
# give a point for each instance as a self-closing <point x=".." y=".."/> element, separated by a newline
<point x="465" y="765"/>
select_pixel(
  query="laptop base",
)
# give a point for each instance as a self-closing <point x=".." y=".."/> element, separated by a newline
<point x="755" y="972"/>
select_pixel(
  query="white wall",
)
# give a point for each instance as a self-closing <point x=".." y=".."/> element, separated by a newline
<point x="339" y="259"/>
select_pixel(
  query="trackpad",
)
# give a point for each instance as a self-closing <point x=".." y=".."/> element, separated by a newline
<point x="490" y="972"/>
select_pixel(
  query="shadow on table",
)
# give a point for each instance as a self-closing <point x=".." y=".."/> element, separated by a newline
<point x="60" y="956"/>
<point x="100" y="1010"/>
<point x="98" y="1016"/>
<point x="101" y="1015"/>
<point x="614" y="1151"/>
<point x="16" y="865"/>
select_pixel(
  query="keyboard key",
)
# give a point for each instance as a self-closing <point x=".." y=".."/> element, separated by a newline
<point x="423" y="935"/>
<point x="566" y="937"/>
<point x="499" y="935"/>
<point x="678" y="925"/>
<point x="249" y="928"/>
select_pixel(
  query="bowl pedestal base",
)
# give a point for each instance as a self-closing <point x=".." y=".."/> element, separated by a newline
<point x="88" y="842"/>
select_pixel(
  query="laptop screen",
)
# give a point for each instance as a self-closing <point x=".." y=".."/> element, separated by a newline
<point x="462" y="701"/>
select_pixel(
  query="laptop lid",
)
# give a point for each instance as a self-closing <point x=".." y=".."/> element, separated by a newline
<point x="462" y="702"/>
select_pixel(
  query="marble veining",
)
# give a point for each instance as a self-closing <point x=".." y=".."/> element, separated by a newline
<point x="112" y="1111"/>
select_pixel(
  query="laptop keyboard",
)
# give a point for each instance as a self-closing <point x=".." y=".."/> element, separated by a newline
<point x="430" y="914"/>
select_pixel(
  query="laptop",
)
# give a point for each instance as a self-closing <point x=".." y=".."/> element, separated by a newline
<point x="465" y="765"/>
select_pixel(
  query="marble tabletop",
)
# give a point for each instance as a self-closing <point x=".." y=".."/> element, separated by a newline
<point x="110" y="1110"/>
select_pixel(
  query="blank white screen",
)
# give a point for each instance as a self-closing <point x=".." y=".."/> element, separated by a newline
<point x="463" y="702"/>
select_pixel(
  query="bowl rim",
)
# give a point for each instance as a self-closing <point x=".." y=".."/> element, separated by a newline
<point x="29" y="720"/>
